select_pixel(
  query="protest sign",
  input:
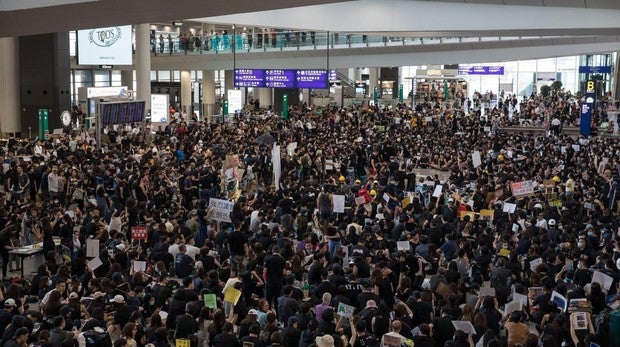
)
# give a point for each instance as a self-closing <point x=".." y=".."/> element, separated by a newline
<point x="138" y="233"/>
<point x="220" y="209"/>
<point x="345" y="310"/>
<point x="232" y="295"/>
<point x="92" y="248"/>
<point x="338" y="203"/>
<point x="210" y="301"/>
<point x="524" y="188"/>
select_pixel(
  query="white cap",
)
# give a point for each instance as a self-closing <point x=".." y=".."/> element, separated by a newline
<point x="551" y="221"/>
<point x="538" y="206"/>
<point x="118" y="299"/>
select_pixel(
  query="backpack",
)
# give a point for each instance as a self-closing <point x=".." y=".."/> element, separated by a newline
<point x="97" y="339"/>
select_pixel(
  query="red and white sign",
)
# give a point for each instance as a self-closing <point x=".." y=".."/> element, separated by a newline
<point x="138" y="233"/>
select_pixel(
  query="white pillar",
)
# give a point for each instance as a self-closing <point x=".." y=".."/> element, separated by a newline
<point x="208" y="94"/>
<point x="186" y="92"/>
<point x="9" y="85"/>
<point x="265" y="96"/>
<point x="143" y="64"/>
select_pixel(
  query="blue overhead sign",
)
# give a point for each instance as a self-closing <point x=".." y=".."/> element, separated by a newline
<point x="595" y="69"/>
<point x="480" y="70"/>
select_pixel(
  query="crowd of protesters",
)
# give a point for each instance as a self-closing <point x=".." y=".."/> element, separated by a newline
<point x="349" y="223"/>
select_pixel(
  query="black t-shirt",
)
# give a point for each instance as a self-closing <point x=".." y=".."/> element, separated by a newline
<point x="186" y="325"/>
<point x="236" y="241"/>
<point x="275" y="265"/>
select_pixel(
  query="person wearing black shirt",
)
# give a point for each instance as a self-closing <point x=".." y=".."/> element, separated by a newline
<point x="274" y="275"/>
<point x="185" y="324"/>
<point x="238" y="247"/>
<point x="227" y="338"/>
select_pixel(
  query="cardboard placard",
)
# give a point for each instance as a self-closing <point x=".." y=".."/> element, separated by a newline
<point x="513" y="306"/>
<point x="232" y="295"/>
<point x="94" y="263"/>
<point x="220" y="209"/>
<point x="345" y="310"/>
<point x="535" y="263"/>
<point x="464" y="325"/>
<point x="509" y="207"/>
<point x="210" y="301"/>
<point x="403" y="245"/>
<point x="476" y="160"/>
<point x="487" y="291"/>
<point x="338" y="203"/>
<point x="182" y="343"/>
<point x="524" y="188"/>
<point x="520" y="298"/>
<point x="139" y="266"/>
<point x="92" y="248"/>
<point x="437" y="191"/>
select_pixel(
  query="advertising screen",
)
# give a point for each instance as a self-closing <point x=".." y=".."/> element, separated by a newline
<point x="280" y="78"/>
<point x="314" y="79"/>
<point x="249" y="78"/>
<point x="105" y="46"/>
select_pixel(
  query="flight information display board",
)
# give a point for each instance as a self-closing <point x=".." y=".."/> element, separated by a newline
<point x="281" y="78"/>
<point x="122" y="112"/>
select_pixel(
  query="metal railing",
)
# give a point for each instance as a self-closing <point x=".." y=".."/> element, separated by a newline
<point x="290" y="40"/>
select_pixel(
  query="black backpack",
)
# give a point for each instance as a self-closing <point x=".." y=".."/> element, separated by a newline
<point x="97" y="339"/>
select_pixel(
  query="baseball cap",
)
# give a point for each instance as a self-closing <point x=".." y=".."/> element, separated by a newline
<point x="538" y="206"/>
<point x="551" y="221"/>
<point x="253" y="311"/>
<point x="324" y="341"/>
<point x="118" y="299"/>
<point x="9" y="302"/>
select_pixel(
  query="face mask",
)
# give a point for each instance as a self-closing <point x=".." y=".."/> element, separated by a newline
<point x="590" y="233"/>
<point x="581" y="245"/>
<point x="49" y="282"/>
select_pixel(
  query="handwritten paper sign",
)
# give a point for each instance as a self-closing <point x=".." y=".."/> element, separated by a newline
<point x="138" y="233"/>
<point x="438" y="190"/>
<point x="509" y="207"/>
<point x="403" y="245"/>
<point x="464" y="326"/>
<point x="94" y="263"/>
<point x="520" y="298"/>
<point x="535" y="263"/>
<point x="487" y="291"/>
<point x="210" y="301"/>
<point x="182" y="343"/>
<point x="476" y="160"/>
<point x="523" y="188"/>
<point x="92" y="248"/>
<point x="221" y="209"/>
<point x="338" y="203"/>
<point x="513" y="306"/>
<point x="603" y="279"/>
<point x="232" y="295"/>
<point x="345" y="310"/>
<point x="139" y="266"/>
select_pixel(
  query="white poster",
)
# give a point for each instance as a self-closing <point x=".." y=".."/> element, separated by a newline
<point x="345" y="310"/>
<point x="92" y="248"/>
<point x="403" y="245"/>
<point x="220" y="209"/>
<point x="438" y="190"/>
<point x="139" y="266"/>
<point x="94" y="263"/>
<point x="235" y="101"/>
<point x="476" y="160"/>
<point x="603" y="279"/>
<point x="275" y="160"/>
<point x="338" y="203"/>
<point x="159" y="108"/>
<point x="464" y="326"/>
<point x="290" y="148"/>
<point x="509" y="207"/>
<point x="105" y="46"/>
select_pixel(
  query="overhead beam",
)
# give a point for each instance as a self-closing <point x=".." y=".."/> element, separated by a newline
<point x="453" y="53"/>
<point x="108" y="12"/>
<point x="407" y="15"/>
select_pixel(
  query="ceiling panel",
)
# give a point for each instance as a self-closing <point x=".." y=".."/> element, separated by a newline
<point x="611" y="4"/>
<point x="565" y="3"/>
<point x="524" y="2"/>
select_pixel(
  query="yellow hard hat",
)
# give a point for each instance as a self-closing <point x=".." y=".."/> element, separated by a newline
<point x="358" y="181"/>
<point x="556" y="179"/>
<point x="341" y="179"/>
<point x="500" y="157"/>
<point x="373" y="192"/>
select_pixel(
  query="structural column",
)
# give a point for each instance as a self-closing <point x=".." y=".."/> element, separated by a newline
<point x="228" y="81"/>
<point x="143" y="64"/>
<point x="265" y="96"/>
<point x="9" y="85"/>
<point x="373" y="78"/>
<point x="186" y="93"/>
<point x="208" y="94"/>
<point x="127" y="78"/>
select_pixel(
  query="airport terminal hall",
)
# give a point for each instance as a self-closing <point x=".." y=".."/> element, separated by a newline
<point x="310" y="173"/>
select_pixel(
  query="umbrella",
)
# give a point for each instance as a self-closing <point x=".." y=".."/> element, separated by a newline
<point x="266" y="139"/>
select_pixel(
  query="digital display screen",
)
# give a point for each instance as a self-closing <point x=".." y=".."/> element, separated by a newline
<point x="280" y="78"/>
<point x="115" y="110"/>
<point x="105" y="116"/>
<point x="105" y="46"/>
<point x="123" y="113"/>
<point x="131" y="115"/>
<point x="139" y="115"/>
